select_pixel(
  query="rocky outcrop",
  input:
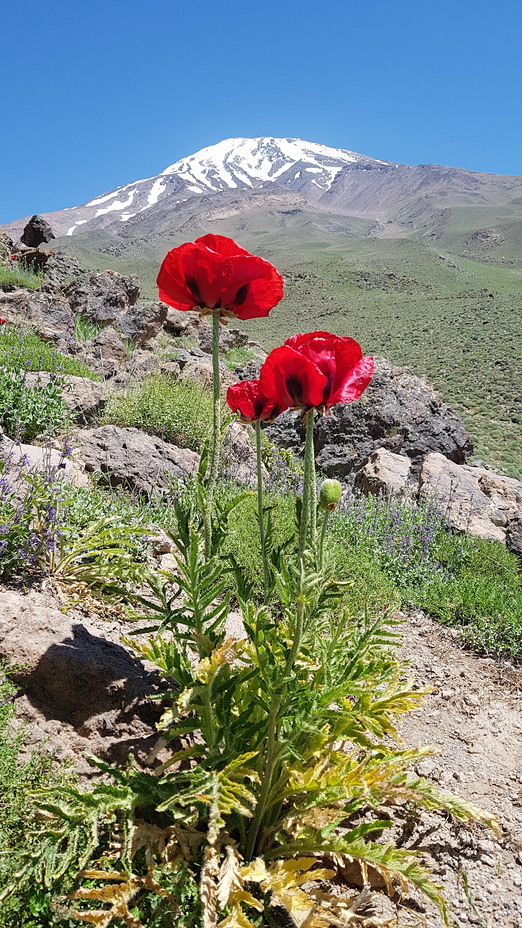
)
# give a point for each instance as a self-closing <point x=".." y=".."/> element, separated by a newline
<point x="130" y="458"/>
<point x="398" y="412"/>
<point x="464" y="504"/>
<point x="109" y="353"/>
<point x="36" y="232"/>
<point x="45" y="311"/>
<point x="141" y="323"/>
<point x="20" y="459"/>
<point x="82" y="690"/>
<point x="6" y="249"/>
<point x="104" y="298"/>
<point x="473" y="499"/>
<point x="384" y="472"/>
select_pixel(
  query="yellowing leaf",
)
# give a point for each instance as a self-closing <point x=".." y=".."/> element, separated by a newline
<point x="236" y="919"/>
<point x="226" y="654"/>
<point x="229" y="877"/>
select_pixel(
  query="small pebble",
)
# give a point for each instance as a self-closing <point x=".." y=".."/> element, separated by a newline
<point x="488" y="860"/>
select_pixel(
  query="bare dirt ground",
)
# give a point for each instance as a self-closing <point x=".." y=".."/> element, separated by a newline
<point x="474" y="718"/>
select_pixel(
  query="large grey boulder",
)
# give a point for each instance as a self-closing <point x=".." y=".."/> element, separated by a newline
<point x="80" y="690"/>
<point x="129" y="457"/>
<point x="36" y="232"/>
<point x="462" y="498"/>
<point x="384" y="472"/>
<point x="105" y="297"/>
<point x="398" y="412"/>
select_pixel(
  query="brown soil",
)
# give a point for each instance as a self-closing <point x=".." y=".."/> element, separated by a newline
<point x="473" y="718"/>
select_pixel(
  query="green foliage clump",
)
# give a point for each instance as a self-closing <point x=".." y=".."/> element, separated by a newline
<point x="27" y="412"/>
<point x="256" y="804"/>
<point x="479" y="589"/>
<point x="239" y="357"/>
<point x="177" y="411"/>
<point x="85" y="329"/>
<point x="19" y="275"/>
<point x="460" y="580"/>
<point x="23" y="350"/>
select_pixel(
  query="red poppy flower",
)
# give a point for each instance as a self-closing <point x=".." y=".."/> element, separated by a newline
<point x="247" y="398"/>
<point x="2" y="321"/>
<point x="316" y="370"/>
<point x="14" y="257"/>
<point x="215" y="273"/>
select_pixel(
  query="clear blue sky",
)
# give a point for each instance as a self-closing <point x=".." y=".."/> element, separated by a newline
<point x="102" y="93"/>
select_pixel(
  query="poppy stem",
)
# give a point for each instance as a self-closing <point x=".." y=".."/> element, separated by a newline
<point x="216" y="435"/>
<point x="309" y="474"/>
<point x="261" y="515"/>
<point x="323" y="536"/>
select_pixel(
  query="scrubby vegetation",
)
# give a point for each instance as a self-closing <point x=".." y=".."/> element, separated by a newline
<point x="19" y="275"/>
<point x="23" y="350"/>
<point x="177" y="411"/>
<point x="284" y="764"/>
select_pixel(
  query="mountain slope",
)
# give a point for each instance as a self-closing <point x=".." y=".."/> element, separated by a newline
<point x="234" y="164"/>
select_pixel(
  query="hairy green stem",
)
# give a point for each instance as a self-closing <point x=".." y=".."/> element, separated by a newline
<point x="313" y="497"/>
<point x="267" y="776"/>
<point x="323" y="536"/>
<point x="262" y="536"/>
<point x="309" y="471"/>
<point x="216" y="435"/>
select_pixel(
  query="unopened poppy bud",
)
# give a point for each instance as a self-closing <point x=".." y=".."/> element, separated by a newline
<point x="329" y="494"/>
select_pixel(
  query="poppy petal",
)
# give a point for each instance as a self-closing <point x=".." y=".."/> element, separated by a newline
<point x="355" y="383"/>
<point x="292" y="379"/>
<point x="247" y="398"/>
<point x="226" y="247"/>
<point x="193" y="276"/>
<point x="254" y="288"/>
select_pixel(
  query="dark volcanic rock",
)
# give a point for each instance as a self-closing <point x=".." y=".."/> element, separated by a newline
<point x="105" y="297"/>
<point x="398" y="411"/>
<point x="131" y="458"/>
<point x="514" y="536"/>
<point x="141" y="323"/>
<point x="44" y="310"/>
<point x="36" y="231"/>
<point x="61" y="268"/>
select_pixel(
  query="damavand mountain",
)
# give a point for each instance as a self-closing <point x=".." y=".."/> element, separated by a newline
<point x="391" y="199"/>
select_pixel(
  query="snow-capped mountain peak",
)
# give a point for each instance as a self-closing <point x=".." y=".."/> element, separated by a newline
<point x="305" y="167"/>
<point x="254" y="161"/>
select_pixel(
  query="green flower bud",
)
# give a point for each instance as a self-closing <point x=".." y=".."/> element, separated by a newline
<point x="329" y="495"/>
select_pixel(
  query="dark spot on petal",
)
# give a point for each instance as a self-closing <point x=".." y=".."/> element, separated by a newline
<point x="328" y="388"/>
<point x="259" y="405"/>
<point x="294" y="389"/>
<point x="193" y="286"/>
<point x="241" y="294"/>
